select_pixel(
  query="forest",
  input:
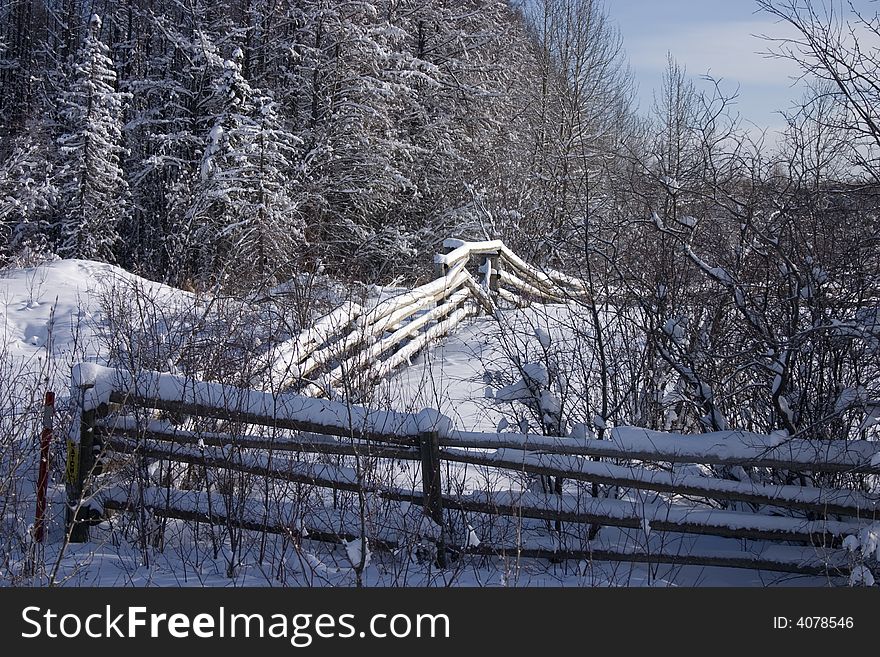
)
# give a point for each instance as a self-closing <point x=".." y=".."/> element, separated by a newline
<point x="241" y="141"/>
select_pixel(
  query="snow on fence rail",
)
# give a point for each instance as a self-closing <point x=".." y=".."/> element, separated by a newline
<point x="285" y="519"/>
<point x="356" y="338"/>
<point x="289" y="520"/>
<point x="563" y="508"/>
<point x="329" y="427"/>
<point x="543" y="278"/>
<point x="725" y="448"/>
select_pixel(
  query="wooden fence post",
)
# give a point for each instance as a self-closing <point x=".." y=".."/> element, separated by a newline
<point x="432" y="490"/>
<point x="441" y="269"/>
<point x="43" y="477"/>
<point x="80" y="461"/>
<point x="495" y="275"/>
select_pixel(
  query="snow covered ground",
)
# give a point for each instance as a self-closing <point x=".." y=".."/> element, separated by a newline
<point x="53" y="315"/>
<point x="56" y="315"/>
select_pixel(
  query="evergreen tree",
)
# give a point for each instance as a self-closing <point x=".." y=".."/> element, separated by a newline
<point x="94" y="196"/>
<point x="27" y="195"/>
<point x="244" y="216"/>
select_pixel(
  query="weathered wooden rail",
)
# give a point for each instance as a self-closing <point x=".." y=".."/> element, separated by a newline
<point x="265" y="435"/>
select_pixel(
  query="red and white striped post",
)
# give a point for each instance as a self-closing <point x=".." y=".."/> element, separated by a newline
<point x="43" y="478"/>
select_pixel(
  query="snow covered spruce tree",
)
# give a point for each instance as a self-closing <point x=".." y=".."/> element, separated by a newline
<point x="396" y="102"/>
<point x="27" y="193"/>
<point x="92" y="188"/>
<point x="244" y="220"/>
<point x="164" y="131"/>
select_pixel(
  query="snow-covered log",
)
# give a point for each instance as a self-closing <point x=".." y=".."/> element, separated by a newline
<point x="725" y="448"/>
<point x="103" y="385"/>
<point x="371" y="353"/>
<point x="522" y="286"/>
<point x="438" y="330"/>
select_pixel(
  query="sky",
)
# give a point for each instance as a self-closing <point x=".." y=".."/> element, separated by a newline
<point x="716" y="37"/>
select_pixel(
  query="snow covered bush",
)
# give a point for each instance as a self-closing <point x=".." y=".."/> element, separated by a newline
<point x="864" y="554"/>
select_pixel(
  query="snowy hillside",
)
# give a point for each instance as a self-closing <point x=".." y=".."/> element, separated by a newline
<point x="54" y="314"/>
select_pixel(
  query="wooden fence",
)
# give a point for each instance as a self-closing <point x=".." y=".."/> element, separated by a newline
<point x="374" y="341"/>
<point x="118" y="413"/>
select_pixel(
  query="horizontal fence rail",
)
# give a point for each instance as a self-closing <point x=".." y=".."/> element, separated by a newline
<point x="784" y="559"/>
<point x="557" y="508"/>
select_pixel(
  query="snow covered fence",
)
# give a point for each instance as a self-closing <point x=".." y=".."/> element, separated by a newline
<point x="164" y="441"/>
<point x="542" y="283"/>
<point x="193" y="506"/>
<point x="353" y="338"/>
<point x="100" y="387"/>
<point x="358" y="339"/>
<point x="721" y="448"/>
<point x="329" y="427"/>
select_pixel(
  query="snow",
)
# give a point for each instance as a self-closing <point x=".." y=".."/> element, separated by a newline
<point x="543" y="337"/>
<point x="721" y="274"/>
<point x="472" y="540"/>
<point x="358" y="549"/>
<point x="734" y="444"/>
<point x="537" y="373"/>
<point x="462" y="251"/>
<point x="573" y="467"/>
<point x="549" y="403"/>
<point x="534" y="380"/>
<point x="872" y="416"/>
<point x="785" y="408"/>
<point x="861" y="576"/>
<point x="640" y="512"/>
<point x="430" y="419"/>
<point x="671" y="183"/>
<point x="53" y="314"/>
<point x="579" y="431"/>
<point x="453" y="243"/>
<point x="869" y="541"/>
<point x="513" y="392"/>
<point x="428" y="528"/>
<point x="284" y="358"/>
<point x="676" y="328"/>
<point x="777" y="437"/>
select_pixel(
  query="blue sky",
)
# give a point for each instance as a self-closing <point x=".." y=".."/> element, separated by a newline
<point x="711" y="36"/>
